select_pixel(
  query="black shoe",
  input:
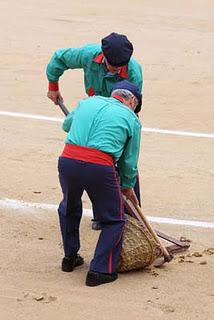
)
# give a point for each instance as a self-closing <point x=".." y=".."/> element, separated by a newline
<point x="95" y="225"/>
<point x="94" y="279"/>
<point x="69" y="263"/>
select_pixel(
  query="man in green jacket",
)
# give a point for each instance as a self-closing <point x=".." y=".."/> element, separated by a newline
<point x="103" y="66"/>
<point x="101" y="131"/>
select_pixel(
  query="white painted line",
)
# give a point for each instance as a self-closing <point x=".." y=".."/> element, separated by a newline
<point x="180" y="133"/>
<point x="181" y="222"/>
<point x="30" y="206"/>
<point x="30" y="116"/>
<point x="149" y="130"/>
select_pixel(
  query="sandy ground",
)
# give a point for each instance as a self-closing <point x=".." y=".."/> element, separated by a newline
<point x="174" y="42"/>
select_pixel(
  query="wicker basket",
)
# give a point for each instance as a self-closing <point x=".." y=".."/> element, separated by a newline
<point x="139" y="248"/>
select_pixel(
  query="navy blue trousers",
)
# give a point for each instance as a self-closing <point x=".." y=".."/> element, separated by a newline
<point x="101" y="184"/>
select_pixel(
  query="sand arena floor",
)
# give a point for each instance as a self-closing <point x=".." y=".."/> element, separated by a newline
<point x="173" y="41"/>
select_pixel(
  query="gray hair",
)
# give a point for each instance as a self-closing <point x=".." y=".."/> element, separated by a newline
<point x="125" y="94"/>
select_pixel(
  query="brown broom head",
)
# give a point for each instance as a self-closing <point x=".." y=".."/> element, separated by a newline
<point x="139" y="249"/>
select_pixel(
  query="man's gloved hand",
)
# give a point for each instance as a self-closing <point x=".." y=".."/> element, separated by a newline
<point x="55" y="96"/>
<point x="130" y="195"/>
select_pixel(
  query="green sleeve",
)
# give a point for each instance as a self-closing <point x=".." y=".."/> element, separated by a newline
<point x="68" y="122"/>
<point x="63" y="59"/>
<point x="128" y="161"/>
<point x="135" y="73"/>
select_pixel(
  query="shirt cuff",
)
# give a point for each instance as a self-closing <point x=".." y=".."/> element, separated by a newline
<point x="53" y="86"/>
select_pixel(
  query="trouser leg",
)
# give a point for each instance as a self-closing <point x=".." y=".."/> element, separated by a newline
<point x="107" y="203"/>
<point x="70" y="208"/>
<point x="108" y="249"/>
<point x="96" y="224"/>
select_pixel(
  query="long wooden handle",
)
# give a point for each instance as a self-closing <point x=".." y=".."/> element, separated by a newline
<point x="63" y="108"/>
<point x="167" y="256"/>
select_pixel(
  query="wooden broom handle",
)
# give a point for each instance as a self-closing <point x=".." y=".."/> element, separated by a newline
<point x="168" y="257"/>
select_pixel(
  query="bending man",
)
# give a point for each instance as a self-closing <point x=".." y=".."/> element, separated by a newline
<point x="101" y="132"/>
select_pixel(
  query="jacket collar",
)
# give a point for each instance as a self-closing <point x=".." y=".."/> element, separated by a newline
<point x="123" y="72"/>
<point x="115" y="96"/>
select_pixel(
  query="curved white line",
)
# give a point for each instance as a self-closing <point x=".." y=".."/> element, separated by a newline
<point x="26" y="206"/>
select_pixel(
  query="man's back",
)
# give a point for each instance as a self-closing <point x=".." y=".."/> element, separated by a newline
<point x="102" y="123"/>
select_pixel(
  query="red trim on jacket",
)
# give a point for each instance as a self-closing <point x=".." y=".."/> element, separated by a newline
<point x="123" y="71"/>
<point x="86" y="154"/>
<point x="115" y="96"/>
<point x="91" y="92"/>
<point x="53" y="86"/>
<point x="99" y="58"/>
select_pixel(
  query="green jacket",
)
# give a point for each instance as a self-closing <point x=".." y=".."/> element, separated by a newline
<point x="108" y="125"/>
<point x="97" y="79"/>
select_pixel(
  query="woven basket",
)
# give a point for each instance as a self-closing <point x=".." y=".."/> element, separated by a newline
<point x="139" y="248"/>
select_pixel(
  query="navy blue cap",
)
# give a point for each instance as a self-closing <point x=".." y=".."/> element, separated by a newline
<point x="133" y="88"/>
<point x="117" y="49"/>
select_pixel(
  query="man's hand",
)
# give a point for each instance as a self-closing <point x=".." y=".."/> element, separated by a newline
<point x="55" y="96"/>
<point x="130" y="195"/>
